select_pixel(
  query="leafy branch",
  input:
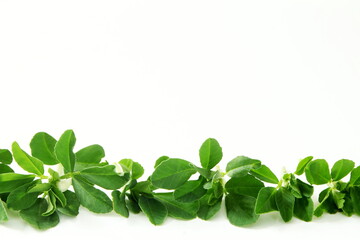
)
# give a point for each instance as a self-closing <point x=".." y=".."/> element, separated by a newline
<point x="59" y="181"/>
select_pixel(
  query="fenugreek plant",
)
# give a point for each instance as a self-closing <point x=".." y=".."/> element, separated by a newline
<point x="60" y="180"/>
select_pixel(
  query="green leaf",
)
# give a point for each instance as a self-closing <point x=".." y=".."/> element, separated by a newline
<point x="206" y="173"/>
<point x="5" y="169"/>
<point x="348" y="208"/>
<point x="355" y="197"/>
<point x="132" y="204"/>
<point x="265" y="174"/>
<point x="241" y="165"/>
<point x="64" y="150"/>
<point x="160" y="160"/>
<point x="304" y="209"/>
<point x="89" y="156"/>
<point x="93" y="199"/>
<point x="132" y="167"/>
<point x="305" y="189"/>
<point x="42" y="147"/>
<point x="265" y="201"/>
<point x="355" y="177"/>
<point x="39" y="188"/>
<point x="207" y="211"/>
<point x="20" y="198"/>
<point x="190" y="191"/>
<point x="119" y="203"/>
<point x="60" y="197"/>
<point x="247" y="185"/>
<point x="27" y="162"/>
<point x="285" y="203"/>
<point x="240" y="210"/>
<point x="154" y="210"/>
<point x="105" y="177"/>
<point x="172" y="173"/>
<point x="338" y="198"/>
<point x="5" y="156"/>
<point x="72" y="204"/>
<point x="3" y="213"/>
<point x="51" y="201"/>
<point x="341" y="168"/>
<point x="176" y="209"/>
<point x="11" y="181"/>
<point x="302" y="165"/>
<point x="210" y="153"/>
<point x="34" y="217"/>
<point x="317" y="172"/>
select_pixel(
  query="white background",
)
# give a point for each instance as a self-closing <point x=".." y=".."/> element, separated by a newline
<point x="273" y="80"/>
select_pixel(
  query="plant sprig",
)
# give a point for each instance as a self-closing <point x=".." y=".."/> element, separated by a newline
<point x="58" y="181"/>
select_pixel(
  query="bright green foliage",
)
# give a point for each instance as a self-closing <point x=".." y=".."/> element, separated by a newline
<point x="5" y="156"/>
<point x="64" y="150"/>
<point x="210" y="153"/>
<point x="89" y="156"/>
<point x="240" y="166"/>
<point x="264" y="174"/>
<point x="27" y="162"/>
<point x="41" y="196"/>
<point x="302" y="165"/>
<point x="341" y="168"/>
<point x="42" y="147"/>
<point x="11" y="181"/>
<point x="105" y="177"/>
<point x="317" y="172"/>
<point x="172" y="173"/>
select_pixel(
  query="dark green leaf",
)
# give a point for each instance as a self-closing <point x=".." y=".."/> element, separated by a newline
<point x="241" y="165"/>
<point x="285" y="203"/>
<point x="20" y="198"/>
<point x="305" y="189"/>
<point x="11" y="181"/>
<point x="154" y="210"/>
<point x="172" y="173"/>
<point x="64" y="150"/>
<point x="341" y="168"/>
<point x="355" y="198"/>
<point x="207" y="211"/>
<point x="265" y="174"/>
<point x="90" y="197"/>
<point x="42" y="147"/>
<point x="265" y="201"/>
<point x="247" y="185"/>
<point x="304" y="209"/>
<point x="176" y="209"/>
<point x="190" y="191"/>
<point x="105" y="177"/>
<point x="132" y="204"/>
<point x="240" y="210"/>
<point x="5" y="169"/>
<point x="210" y="153"/>
<point x="27" y="162"/>
<point x="5" y="156"/>
<point x="317" y="172"/>
<point x="72" y="204"/>
<point x="59" y="196"/>
<point x="338" y="198"/>
<point x="302" y="165"/>
<point x="89" y="156"/>
<point x="348" y="208"/>
<point x="51" y="201"/>
<point x="119" y="203"/>
<point x="34" y="217"/>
